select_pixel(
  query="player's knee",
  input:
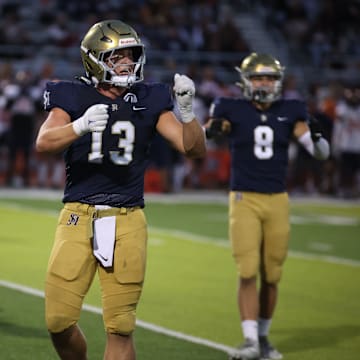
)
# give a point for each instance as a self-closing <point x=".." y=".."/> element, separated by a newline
<point x="57" y="323"/>
<point x="246" y="269"/>
<point x="123" y="324"/>
<point x="273" y="275"/>
<point x="247" y="273"/>
<point x="274" y="266"/>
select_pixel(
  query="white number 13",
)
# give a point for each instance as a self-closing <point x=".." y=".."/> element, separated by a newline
<point x="126" y="132"/>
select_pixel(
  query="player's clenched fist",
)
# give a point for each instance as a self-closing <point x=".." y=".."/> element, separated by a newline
<point x="217" y="127"/>
<point x="184" y="89"/>
<point x="94" y="119"/>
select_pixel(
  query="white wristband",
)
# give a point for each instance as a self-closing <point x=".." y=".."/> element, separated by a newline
<point x="78" y="127"/>
<point x="187" y="117"/>
<point x="319" y="150"/>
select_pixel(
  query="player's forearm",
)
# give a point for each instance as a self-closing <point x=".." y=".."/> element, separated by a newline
<point x="194" y="140"/>
<point x="193" y="134"/>
<point x="54" y="140"/>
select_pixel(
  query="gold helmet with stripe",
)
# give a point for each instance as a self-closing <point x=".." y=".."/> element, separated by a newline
<point x="254" y="66"/>
<point x="100" y="44"/>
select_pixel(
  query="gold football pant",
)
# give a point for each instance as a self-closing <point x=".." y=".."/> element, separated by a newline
<point x="259" y="231"/>
<point x="72" y="267"/>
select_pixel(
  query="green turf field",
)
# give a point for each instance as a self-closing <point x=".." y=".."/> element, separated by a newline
<point x="191" y="282"/>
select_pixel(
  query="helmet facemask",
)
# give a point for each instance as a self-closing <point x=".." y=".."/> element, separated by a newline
<point x="134" y="72"/>
<point x="262" y="94"/>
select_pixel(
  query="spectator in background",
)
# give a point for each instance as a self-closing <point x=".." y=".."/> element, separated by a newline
<point x="228" y="38"/>
<point x="49" y="169"/>
<point x="291" y="89"/>
<point x="158" y="175"/>
<point x="310" y="175"/>
<point x="12" y="29"/>
<point x="346" y="141"/>
<point x="4" y="129"/>
<point x="23" y="109"/>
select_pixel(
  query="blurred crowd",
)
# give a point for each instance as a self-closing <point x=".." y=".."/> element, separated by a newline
<point x="199" y="26"/>
<point x="324" y="31"/>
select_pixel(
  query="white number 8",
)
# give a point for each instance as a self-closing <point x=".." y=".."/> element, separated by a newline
<point x="263" y="138"/>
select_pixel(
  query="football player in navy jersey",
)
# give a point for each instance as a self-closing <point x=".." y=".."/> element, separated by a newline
<point x="259" y="129"/>
<point x="105" y="125"/>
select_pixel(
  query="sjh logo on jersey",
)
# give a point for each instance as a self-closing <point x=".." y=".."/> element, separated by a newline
<point x="132" y="98"/>
<point x="73" y="220"/>
<point x="46" y="98"/>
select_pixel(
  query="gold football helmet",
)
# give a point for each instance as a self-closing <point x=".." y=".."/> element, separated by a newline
<point x="260" y="65"/>
<point x="100" y="44"/>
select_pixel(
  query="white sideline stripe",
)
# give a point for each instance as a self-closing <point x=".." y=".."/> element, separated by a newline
<point x="182" y="336"/>
<point x="140" y="323"/>
<point x="202" y="239"/>
<point x="225" y="243"/>
<point x="190" y="236"/>
<point x="325" y="258"/>
<point x="205" y="197"/>
<point x="294" y="219"/>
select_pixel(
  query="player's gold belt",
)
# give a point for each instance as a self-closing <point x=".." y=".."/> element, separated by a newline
<point x="99" y="213"/>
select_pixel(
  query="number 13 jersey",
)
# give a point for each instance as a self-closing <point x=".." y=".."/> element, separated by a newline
<point x="108" y="167"/>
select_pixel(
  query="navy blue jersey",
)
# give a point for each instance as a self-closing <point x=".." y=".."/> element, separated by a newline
<point x="259" y="142"/>
<point x="108" y="168"/>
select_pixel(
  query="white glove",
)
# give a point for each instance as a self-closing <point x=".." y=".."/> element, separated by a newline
<point x="184" y="89"/>
<point x="94" y="119"/>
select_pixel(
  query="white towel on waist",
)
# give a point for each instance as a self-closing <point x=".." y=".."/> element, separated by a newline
<point x="104" y="239"/>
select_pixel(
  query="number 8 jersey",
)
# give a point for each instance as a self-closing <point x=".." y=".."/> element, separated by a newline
<point x="108" y="167"/>
<point x="259" y="142"/>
